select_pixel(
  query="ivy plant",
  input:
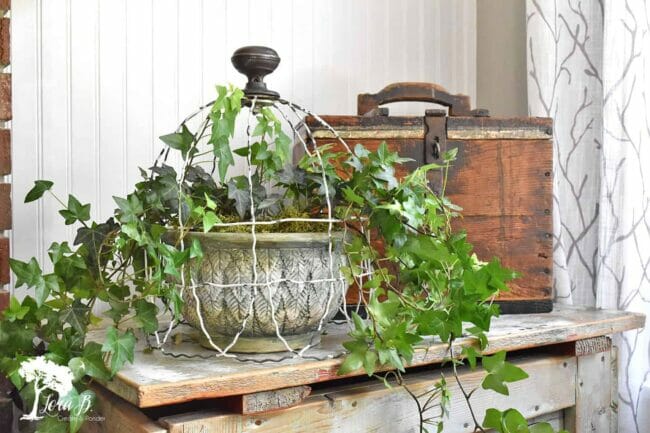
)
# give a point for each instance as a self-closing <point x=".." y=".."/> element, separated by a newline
<point x="425" y="282"/>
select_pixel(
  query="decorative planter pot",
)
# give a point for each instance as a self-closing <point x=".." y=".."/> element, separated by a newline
<point x="290" y="295"/>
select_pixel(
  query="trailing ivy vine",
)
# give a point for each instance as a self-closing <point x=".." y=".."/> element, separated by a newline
<point x="426" y="280"/>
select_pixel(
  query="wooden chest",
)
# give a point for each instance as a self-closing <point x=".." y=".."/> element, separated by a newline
<point x="502" y="177"/>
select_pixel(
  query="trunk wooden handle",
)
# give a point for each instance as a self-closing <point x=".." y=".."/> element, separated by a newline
<point x="459" y="105"/>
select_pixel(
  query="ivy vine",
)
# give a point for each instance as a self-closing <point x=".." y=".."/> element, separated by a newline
<point x="426" y="280"/>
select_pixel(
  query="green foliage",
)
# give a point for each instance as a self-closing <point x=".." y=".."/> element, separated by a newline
<point x="40" y="187"/>
<point x="500" y="372"/>
<point x="120" y="347"/>
<point x="426" y="282"/>
<point x="435" y="283"/>
<point x="512" y="421"/>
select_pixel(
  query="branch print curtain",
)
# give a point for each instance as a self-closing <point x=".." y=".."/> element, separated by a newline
<point x="589" y="69"/>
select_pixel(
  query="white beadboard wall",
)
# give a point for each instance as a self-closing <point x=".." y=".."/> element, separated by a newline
<point x="96" y="81"/>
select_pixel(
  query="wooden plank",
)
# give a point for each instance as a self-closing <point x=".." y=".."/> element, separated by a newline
<point x="412" y="127"/>
<point x="155" y="379"/>
<point x="5" y="296"/>
<point x="5" y="45"/>
<point x="266" y="401"/>
<point x="5" y="276"/>
<point x="491" y="128"/>
<point x="510" y="176"/>
<point x="5" y="151"/>
<point x="5" y="206"/>
<point x="613" y="365"/>
<point x="117" y="416"/>
<point x="592" y="411"/>
<point x="5" y="97"/>
<point x="374" y="407"/>
<point x="589" y="346"/>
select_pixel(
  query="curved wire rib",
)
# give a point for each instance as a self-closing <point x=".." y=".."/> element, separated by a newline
<point x="336" y="282"/>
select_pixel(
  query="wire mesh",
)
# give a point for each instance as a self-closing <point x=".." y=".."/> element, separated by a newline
<point x="335" y="281"/>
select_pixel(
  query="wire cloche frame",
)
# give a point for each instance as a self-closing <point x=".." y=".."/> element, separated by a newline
<point x="266" y="289"/>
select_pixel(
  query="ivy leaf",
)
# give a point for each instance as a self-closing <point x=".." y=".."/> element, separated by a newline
<point x="77" y="367"/>
<point x="222" y="152"/>
<point x="542" y="427"/>
<point x="354" y="361"/>
<point x="121" y="347"/>
<point x="500" y="371"/>
<point x="76" y="316"/>
<point x="75" y="211"/>
<point x="492" y="420"/>
<point x="209" y="202"/>
<point x="26" y="273"/>
<point x="31" y="275"/>
<point x="117" y="310"/>
<point x="145" y="315"/>
<point x="79" y="404"/>
<point x="209" y="220"/>
<point x="352" y="197"/>
<point x="16" y="337"/>
<point x="514" y="422"/>
<point x="94" y="361"/>
<point x="471" y="355"/>
<point x="93" y="239"/>
<point x="283" y="146"/>
<point x="179" y="140"/>
<point x="16" y="311"/>
<point x="239" y="192"/>
<point x="40" y="186"/>
<point x="493" y="382"/>
<point x="196" y="252"/>
<point x="131" y="208"/>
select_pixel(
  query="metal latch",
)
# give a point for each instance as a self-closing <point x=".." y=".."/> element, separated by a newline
<point x="435" y="138"/>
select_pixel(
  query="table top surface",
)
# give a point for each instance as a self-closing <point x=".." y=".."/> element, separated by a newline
<point x="156" y="378"/>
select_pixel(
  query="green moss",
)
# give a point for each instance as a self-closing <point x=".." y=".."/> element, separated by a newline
<point x="283" y="227"/>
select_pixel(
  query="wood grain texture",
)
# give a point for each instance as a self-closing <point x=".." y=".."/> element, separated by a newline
<point x="267" y="401"/>
<point x="4" y="303"/>
<point x="5" y="41"/>
<point x="5" y="151"/>
<point x="371" y="406"/>
<point x="593" y="345"/>
<point x="4" y="260"/>
<point x="592" y="411"/>
<point x="119" y="416"/>
<point x="5" y="206"/>
<point x="458" y="128"/>
<point x="5" y="97"/>
<point x="482" y="128"/>
<point x="503" y="185"/>
<point x="155" y="379"/>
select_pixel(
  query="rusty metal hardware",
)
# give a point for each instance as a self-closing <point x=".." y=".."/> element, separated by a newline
<point x="435" y="136"/>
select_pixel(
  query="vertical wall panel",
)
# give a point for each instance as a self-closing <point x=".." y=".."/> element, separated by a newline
<point x="97" y="81"/>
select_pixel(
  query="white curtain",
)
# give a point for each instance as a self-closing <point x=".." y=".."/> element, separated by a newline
<point x="589" y="69"/>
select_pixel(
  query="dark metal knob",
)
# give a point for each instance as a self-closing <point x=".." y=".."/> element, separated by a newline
<point x="256" y="62"/>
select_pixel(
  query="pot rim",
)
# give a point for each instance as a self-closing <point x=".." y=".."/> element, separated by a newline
<point x="225" y="240"/>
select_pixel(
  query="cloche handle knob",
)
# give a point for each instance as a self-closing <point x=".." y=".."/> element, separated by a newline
<point x="256" y="63"/>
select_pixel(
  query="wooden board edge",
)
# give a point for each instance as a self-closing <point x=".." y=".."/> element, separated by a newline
<point x="119" y="416"/>
<point x="344" y="407"/>
<point x="321" y="371"/>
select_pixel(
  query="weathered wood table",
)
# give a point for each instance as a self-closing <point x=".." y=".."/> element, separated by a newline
<point x="567" y="353"/>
